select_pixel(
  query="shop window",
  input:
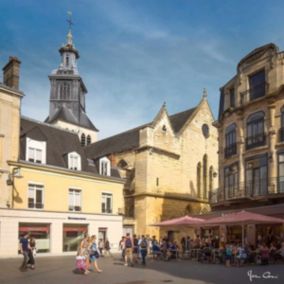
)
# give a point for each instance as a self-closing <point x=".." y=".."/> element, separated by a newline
<point x="40" y="232"/>
<point x="73" y="235"/>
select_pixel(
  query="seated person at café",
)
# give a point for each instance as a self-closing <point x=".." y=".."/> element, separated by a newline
<point x="264" y="254"/>
<point x="155" y="248"/>
<point x="172" y="251"/>
<point x="241" y="255"/>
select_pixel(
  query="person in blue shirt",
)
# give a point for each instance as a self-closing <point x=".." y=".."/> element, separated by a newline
<point x="24" y="249"/>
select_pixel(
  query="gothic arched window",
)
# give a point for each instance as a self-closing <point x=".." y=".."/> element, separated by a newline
<point x="89" y="140"/>
<point x="210" y="178"/>
<point x="205" y="176"/>
<point x="83" y="139"/>
<point x="198" y="181"/>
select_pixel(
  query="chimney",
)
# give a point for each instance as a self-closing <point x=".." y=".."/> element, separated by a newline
<point x="11" y="73"/>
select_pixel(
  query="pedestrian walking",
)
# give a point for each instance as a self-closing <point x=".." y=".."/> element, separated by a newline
<point x="101" y="246"/>
<point x="31" y="253"/>
<point x="122" y="247"/>
<point x="84" y="250"/>
<point x="128" y="244"/>
<point x="107" y="248"/>
<point x="143" y="244"/>
<point x="24" y="249"/>
<point x="94" y="254"/>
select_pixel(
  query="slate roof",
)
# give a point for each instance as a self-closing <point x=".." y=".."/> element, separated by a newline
<point x="129" y="140"/>
<point x="179" y="119"/>
<point x="59" y="143"/>
<point x="66" y="115"/>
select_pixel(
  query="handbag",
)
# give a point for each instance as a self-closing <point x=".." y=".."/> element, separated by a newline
<point x="96" y="254"/>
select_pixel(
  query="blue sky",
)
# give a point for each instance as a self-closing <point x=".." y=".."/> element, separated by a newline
<point x="136" y="54"/>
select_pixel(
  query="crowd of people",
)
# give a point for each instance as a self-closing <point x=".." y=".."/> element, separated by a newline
<point x="206" y="249"/>
<point x="210" y="249"/>
<point x="137" y="248"/>
<point x="213" y="249"/>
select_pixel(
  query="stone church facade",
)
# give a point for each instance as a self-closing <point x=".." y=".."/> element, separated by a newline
<point x="170" y="166"/>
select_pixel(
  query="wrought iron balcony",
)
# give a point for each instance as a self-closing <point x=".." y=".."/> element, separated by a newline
<point x="256" y="141"/>
<point x="254" y="93"/>
<point x="253" y="190"/>
<point x="231" y="150"/>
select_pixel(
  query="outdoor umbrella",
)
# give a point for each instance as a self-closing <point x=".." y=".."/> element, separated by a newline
<point x="181" y="221"/>
<point x="243" y="218"/>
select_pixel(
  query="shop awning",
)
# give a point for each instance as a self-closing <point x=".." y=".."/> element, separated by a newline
<point x="181" y="221"/>
<point x="34" y="229"/>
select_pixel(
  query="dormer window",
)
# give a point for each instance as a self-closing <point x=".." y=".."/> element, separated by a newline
<point x="35" y="151"/>
<point x="74" y="161"/>
<point x="105" y="166"/>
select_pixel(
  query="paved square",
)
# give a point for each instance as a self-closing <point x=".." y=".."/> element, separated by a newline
<point x="59" y="270"/>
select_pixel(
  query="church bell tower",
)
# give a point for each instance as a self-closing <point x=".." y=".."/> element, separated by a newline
<point x="67" y="95"/>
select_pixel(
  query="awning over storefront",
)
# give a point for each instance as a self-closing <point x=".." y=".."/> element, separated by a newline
<point x="34" y="229"/>
<point x="67" y="228"/>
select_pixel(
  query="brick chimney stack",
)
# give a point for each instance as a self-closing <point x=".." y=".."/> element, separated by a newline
<point x="11" y="73"/>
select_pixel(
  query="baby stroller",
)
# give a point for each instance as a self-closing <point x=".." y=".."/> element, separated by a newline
<point x="80" y="265"/>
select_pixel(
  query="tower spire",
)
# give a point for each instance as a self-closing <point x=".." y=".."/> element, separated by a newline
<point x="70" y="23"/>
<point x="205" y="94"/>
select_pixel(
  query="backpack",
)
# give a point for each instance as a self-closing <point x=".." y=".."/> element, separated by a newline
<point x="143" y="244"/>
<point x="128" y="243"/>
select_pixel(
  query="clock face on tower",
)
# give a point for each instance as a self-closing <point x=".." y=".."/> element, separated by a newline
<point x="205" y="130"/>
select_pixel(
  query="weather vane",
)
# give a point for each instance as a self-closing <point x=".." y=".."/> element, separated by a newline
<point x="69" y="19"/>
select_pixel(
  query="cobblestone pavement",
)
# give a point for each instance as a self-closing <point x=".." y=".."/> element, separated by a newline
<point x="59" y="270"/>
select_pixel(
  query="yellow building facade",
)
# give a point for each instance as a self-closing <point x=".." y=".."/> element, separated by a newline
<point x="48" y="186"/>
<point x="10" y="103"/>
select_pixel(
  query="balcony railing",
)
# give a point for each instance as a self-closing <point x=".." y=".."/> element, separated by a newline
<point x="75" y="208"/>
<point x="231" y="150"/>
<point x="106" y="210"/>
<point x="253" y="93"/>
<point x="35" y="205"/>
<point x="256" y="141"/>
<point x="261" y="188"/>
